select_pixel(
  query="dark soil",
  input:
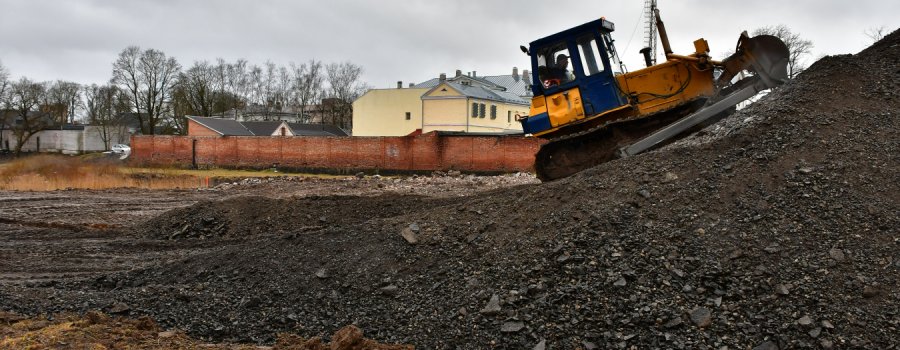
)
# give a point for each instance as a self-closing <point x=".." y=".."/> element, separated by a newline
<point x="246" y="217"/>
<point x="96" y="330"/>
<point x="774" y="229"/>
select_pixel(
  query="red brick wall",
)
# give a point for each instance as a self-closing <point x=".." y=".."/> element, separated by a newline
<point x="426" y="152"/>
<point x="196" y="129"/>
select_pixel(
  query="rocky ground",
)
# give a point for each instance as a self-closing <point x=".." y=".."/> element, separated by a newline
<point x="775" y="229"/>
<point x="95" y="330"/>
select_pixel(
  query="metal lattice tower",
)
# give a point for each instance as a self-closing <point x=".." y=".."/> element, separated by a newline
<point x="650" y="32"/>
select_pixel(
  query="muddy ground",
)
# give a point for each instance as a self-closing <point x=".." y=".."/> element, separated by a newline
<point x="773" y="229"/>
<point x="48" y="237"/>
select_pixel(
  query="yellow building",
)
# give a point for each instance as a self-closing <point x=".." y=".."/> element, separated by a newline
<point x="457" y="107"/>
<point x="464" y="103"/>
<point x="388" y="112"/>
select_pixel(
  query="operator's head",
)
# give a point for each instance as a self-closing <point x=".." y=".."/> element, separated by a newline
<point x="562" y="61"/>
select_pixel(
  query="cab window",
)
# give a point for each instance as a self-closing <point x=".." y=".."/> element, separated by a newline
<point x="554" y="66"/>
<point x="614" y="62"/>
<point x="591" y="58"/>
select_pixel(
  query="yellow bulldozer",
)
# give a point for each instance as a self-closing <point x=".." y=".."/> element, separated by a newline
<point x="593" y="112"/>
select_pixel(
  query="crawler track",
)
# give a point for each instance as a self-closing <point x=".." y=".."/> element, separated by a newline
<point x="572" y="153"/>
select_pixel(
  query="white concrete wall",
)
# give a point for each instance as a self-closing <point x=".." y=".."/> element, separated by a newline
<point x="67" y="141"/>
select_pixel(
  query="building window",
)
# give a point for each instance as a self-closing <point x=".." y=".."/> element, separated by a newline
<point x="481" y="108"/>
<point x="509" y="116"/>
<point x="474" y="110"/>
<point x="408" y="116"/>
<point x="493" y="111"/>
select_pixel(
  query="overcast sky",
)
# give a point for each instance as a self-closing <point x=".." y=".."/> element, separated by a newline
<point x="408" y="40"/>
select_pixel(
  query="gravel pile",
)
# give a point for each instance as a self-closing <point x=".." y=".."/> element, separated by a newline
<point x="252" y="217"/>
<point x="776" y="229"/>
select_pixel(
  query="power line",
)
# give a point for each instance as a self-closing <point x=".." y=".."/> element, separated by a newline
<point x="636" y="24"/>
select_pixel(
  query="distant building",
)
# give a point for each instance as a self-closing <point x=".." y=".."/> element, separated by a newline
<point x="65" y="138"/>
<point x="463" y="103"/>
<point x="165" y="125"/>
<point x="204" y="126"/>
<point x="311" y="114"/>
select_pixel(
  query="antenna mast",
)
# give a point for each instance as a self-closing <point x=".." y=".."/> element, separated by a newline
<point x="650" y="30"/>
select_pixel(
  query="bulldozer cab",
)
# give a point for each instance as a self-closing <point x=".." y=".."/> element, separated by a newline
<point x="574" y="71"/>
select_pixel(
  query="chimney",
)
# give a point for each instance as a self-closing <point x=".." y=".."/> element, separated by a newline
<point x="515" y="72"/>
<point x="411" y="85"/>
<point x="526" y="76"/>
<point x="443" y="77"/>
<point x="474" y="74"/>
<point x="458" y="73"/>
<point x="400" y="84"/>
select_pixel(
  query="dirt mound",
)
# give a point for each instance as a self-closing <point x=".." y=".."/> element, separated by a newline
<point x="775" y="229"/>
<point x="247" y="217"/>
<point x="95" y="330"/>
<point x="347" y="338"/>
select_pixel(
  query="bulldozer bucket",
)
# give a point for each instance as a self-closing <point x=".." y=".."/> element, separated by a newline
<point x="764" y="55"/>
<point x="768" y="57"/>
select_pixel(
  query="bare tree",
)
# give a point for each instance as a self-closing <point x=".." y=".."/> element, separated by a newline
<point x="149" y="77"/>
<point x="257" y="85"/>
<point x="4" y="82"/>
<point x="127" y="78"/>
<point x="210" y="89"/>
<point x="875" y="33"/>
<point x="237" y="83"/>
<point x="307" y="86"/>
<point x="282" y="91"/>
<point x="268" y="87"/>
<point x="198" y="86"/>
<point x="63" y="101"/>
<point x="798" y="47"/>
<point x="220" y="75"/>
<point x="344" y="86"/>
<point x="4" y="88"/>
<point x="25" y="97"/>
<point x="105" y="107"/>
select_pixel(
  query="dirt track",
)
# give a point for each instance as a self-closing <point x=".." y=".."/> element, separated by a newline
<point x="774" y="229"/>
<point x="50" y="237"/>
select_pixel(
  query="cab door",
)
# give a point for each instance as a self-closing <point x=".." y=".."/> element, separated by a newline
<point x="596" y="81"/>
<point x="559" y="84"/>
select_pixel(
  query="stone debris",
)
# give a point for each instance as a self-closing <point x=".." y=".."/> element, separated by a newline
<point x="783" y="211"/>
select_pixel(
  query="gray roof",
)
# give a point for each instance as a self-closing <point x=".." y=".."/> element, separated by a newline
<point x="484" y="93"/>
<point x="517" y="85"/>
<point x="316" y="130"/>
<point x="230" y="127"/>
<point x="427" y="84"/>
<point x="436" y="81"/>
<point x="264" y="128"/>
<point x="225" y="127"/>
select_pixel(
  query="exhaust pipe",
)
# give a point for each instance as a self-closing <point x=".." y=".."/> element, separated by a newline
<point x="646" y="52"/>
<point x="663" y="36"/>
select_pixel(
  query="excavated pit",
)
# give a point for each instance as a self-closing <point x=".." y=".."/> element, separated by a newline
<point x="776" y="228"/>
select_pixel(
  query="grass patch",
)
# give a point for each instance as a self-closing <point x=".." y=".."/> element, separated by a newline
<point x="55" y="172"/>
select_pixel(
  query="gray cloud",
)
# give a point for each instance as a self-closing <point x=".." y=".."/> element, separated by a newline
<point x="410" y="40"/>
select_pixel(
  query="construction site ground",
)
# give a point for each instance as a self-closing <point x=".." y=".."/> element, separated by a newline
<point x="776" y="228"/>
